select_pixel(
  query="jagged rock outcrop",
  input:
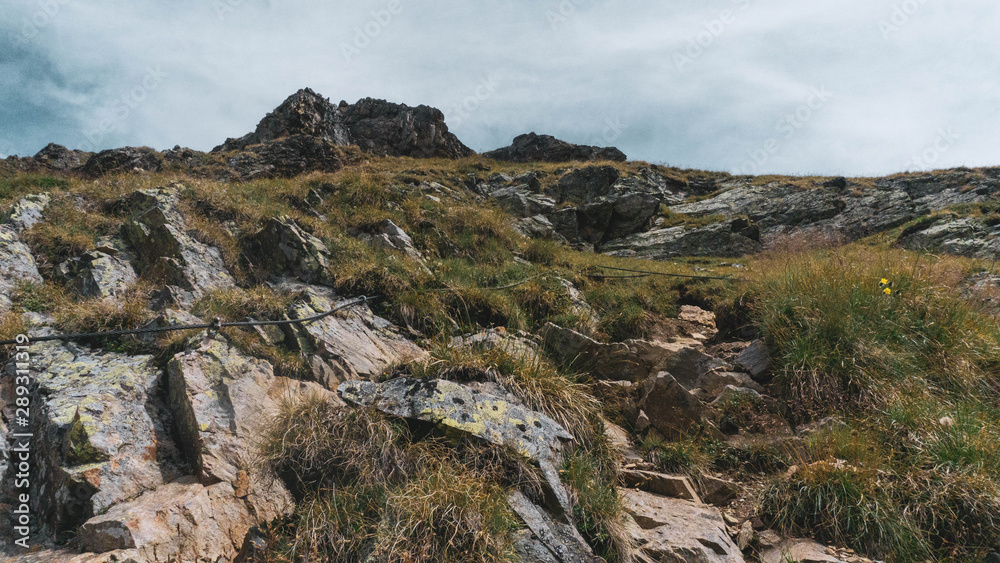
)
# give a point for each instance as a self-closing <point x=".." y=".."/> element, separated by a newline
<point x="58" y="157"/>
<point x="98" y="273"/>
<point x="125" y="159"/>
<point x="353" y="344"/>
<point x="721" y="239"/>
<point x="281" y="246"/>
<point x="546" y="539"/>
<point x="679" y="530"/>
<point x="289" y="156"/>
<point x="98" y="439"/>
<point x="164" y="251"/>
<point x="27" y="212"/>
<point x="17" y="265"/>
<point x="546" y="148"/>
<point x="376" y="126"/>
<point x="965" y="236"/>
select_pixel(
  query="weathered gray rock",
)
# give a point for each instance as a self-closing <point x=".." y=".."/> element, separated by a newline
<point x="959" y="236"/>
<point x="522" y="202"/>
<point x="562" y="541"/>
<point x="98" y="274"/>
<point x="27" y="212"/>
<point x="282" y="247"/>
<point x="719" y="239"/>
<point x="755" y="359"/>
<point x="98" y="439"/>
<point x="391" y="237"/>
<point x="352" y="344"/>
<point x="452" y="405"/>
<point x="719" y="491"/>
<point x="671" y="409"/>
<point x="163" y="250"/>
<point x="679" y="530"/>
<point x="674" y="486"/>
<point x="546" y="148"/>
<point x="493" y="339"/>
<point x="603" y="361"/>
<point x="16" y="265"/>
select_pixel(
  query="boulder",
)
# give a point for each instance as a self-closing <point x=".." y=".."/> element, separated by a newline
<point x="464" y="410"/>
<point x="352" y="344"/>
<point x="755" y="359"/>
<point x="126" y="159"/>
<point x="98" y="274"/>
<point x="98" y="439"/>
<point x="16" y="265"/>
<point x="680" y="530"/>
<point x="163" y="250"/>
<point x="671" y="409"/>
<point x="549" y="540"/>
<point x="494" y="339"/>
<point x="452" y="405"/>
<point x="220" y="397"/>
<point x="545" y="148"/>
<point x="586" y="185"/>
<point x="375" y="126"/>
<point x="281" y="247"/>
<point x="180" y="521"/>
<point x="719" y="491"/>
<point x="603" y="361"/>
<point x="391" y="237"/>
<point x="522" y="202"/>
<point x="27" y="212"/>
<point x="674" y="486"/>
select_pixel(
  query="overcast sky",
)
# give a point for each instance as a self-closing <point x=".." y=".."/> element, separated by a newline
<point x="852" y="87"/>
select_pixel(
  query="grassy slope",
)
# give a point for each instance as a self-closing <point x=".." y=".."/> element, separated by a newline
<point x="913" y="375"/>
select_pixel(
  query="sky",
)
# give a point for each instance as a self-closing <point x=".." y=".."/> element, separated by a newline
<point x="842" y="87"/>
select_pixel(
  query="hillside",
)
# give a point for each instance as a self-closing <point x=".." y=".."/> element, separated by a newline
<point x="545" y="353"/>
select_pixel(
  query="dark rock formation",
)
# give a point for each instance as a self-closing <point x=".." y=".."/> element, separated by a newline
<point x="126" y="159"/>
<point x="58" y="157"/>
<point x="377" y="126"/>
<point x="546" y="148"/>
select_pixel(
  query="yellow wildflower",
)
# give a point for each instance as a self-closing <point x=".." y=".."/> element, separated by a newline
<point x="887" y="291"/>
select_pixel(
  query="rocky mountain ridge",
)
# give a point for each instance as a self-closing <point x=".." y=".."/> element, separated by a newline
<point x="151" y="449"/>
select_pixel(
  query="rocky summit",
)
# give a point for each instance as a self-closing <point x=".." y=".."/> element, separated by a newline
<point x="347" y="337"/>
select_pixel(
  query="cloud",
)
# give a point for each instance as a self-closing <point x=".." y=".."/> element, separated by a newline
<point x="692" y="83"/>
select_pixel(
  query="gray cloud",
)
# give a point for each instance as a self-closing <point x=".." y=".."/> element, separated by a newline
<point x="695" y="83"/>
